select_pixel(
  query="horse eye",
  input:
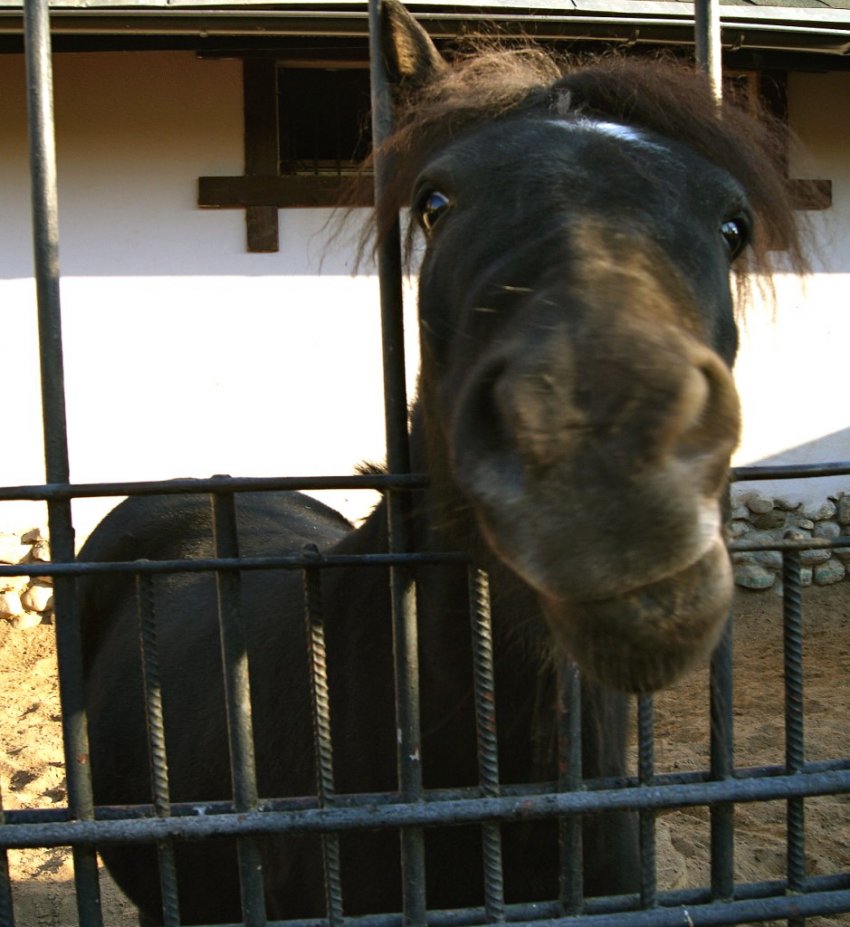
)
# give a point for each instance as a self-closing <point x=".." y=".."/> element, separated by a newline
<point x="431" y="207"/>
<point x="735" y="234"/>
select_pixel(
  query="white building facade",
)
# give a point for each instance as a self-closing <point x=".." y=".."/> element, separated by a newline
<point x="187" y="355"/>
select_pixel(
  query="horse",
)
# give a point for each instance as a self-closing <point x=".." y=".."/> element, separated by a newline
<point x="575" y="417"/>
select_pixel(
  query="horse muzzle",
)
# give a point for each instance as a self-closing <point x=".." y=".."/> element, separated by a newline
<point x="595" y="449"/>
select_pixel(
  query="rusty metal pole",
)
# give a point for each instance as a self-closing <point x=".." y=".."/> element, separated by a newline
<point x="402" y="591"/>
<point x="708" y="52"/>
<point x="42" y="149"/>
<point x="707" y="42"/>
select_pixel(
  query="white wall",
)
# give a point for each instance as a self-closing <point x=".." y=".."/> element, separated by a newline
<point x="792" y="370"/>
<point x="187" y="356"/>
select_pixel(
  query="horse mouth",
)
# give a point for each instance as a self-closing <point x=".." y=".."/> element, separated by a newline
<point x="645" y="639"/>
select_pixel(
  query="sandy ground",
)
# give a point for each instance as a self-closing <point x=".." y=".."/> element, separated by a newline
<point x="31" y="766"/>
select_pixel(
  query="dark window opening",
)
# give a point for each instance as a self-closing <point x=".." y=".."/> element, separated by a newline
<point x="323" y="117"/>
<point x="307" y="130"/>
<point x="767" y="91"/>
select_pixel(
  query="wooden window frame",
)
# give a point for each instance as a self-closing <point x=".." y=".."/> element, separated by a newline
<point x="262" y="190"/>
<point x="770" y="89"/>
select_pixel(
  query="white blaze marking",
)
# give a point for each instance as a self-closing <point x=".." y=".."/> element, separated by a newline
<point x="611" y="129"/>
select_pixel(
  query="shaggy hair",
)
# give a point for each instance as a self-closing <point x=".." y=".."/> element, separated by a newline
<point x="663" y="96"/>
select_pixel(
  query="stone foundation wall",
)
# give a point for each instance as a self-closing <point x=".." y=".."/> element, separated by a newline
<point x="23" y="601"/>
<point x="758" y="517"/>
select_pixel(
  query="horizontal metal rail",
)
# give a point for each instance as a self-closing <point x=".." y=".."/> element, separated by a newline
<point x="47" y="491"/>
<point x="789" y="544"/>
<point x="378" y="481"/>
<point x="210" y="564"/>
<point x="681" y="908"/>
<point x="789" y="471"/>
<point x="311" y="559"/>
<point x="424" y="814"/>
<point x="678" y="910"/>
<point x="23" y="816"/>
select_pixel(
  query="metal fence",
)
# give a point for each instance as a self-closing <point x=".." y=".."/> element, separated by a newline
<point x="80" y="825"/>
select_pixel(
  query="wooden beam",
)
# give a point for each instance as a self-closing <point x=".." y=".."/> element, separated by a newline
<point x="259" y="87"/>
<point x="287" y="192"/>
<point x="811" y="194"/>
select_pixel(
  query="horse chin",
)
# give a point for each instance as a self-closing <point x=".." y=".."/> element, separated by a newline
<point x="645" y="639"/>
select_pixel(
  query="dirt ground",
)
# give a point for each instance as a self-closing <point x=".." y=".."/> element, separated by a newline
<point x="31" y="767"/>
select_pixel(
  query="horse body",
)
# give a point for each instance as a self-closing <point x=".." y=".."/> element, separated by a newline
<point x="575" y="417"/>
<point x="359" y="642"/>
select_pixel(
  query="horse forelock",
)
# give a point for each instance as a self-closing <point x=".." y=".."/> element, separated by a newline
<point x="661" y="96"/>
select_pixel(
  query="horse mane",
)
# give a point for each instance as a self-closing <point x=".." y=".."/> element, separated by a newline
<point x="662" y="95"/>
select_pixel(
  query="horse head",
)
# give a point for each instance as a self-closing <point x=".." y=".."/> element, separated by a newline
<point x="578" y="331"/>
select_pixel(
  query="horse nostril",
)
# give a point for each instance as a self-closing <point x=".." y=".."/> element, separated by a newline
<point x="694" y="410"/>
<point x="483" y="450"/>
<point x="512" y="421"/>
<point x="709" y="419"/>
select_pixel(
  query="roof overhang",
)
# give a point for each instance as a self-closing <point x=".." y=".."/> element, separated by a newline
<point x="814" y="31"/>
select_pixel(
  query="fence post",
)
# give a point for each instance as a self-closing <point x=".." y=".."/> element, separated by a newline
<point x="403" y="598"/>
<point x="708" y="44"/>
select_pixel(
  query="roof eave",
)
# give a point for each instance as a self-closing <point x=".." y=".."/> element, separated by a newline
<point x="819" y="32"/>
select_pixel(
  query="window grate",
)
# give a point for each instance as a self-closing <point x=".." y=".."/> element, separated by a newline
<point x="323" y="120"/>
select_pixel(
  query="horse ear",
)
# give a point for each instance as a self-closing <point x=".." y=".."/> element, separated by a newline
<point x="412" y="58"/>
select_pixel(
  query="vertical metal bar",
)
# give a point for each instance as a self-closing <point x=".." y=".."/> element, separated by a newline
<point x="7" y="914"/>
<point x="722" y="767"/>
<point x="409" y="743"/>
<point x="488" y="745"/>
<point x="152" y="685"/>
<point x="708" y="43"/>
<point x="403" y="599"/>
<point x="646" y="775"/>
<point x="389" y="262"/>
<point x="321" y="703"/>
<point x="569" y="780"/>
<point x="792" y="614"/>
<point x="45" y="218"/>
<point x="708" y="52"/>
<point x="45" y="213"/>
<point x="234" y="652"/>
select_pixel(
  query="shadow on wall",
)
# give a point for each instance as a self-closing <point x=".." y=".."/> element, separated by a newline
<point x="829" y="449"/>
<point x="191" y="243"/>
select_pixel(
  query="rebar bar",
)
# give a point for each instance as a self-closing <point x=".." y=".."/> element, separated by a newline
<point x="646" y="776"/>
<point x="152" y="685"/>
<point x="322" y="735"/>
<point x="792" y="613"/>
<point x="570" y="780"/>
<point x="484" y="677"/>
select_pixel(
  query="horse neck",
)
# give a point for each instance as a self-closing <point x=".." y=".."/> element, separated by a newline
<point x="438" y="520"/>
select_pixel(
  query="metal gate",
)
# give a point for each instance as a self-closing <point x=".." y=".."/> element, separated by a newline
<point x="80" y="826"/>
